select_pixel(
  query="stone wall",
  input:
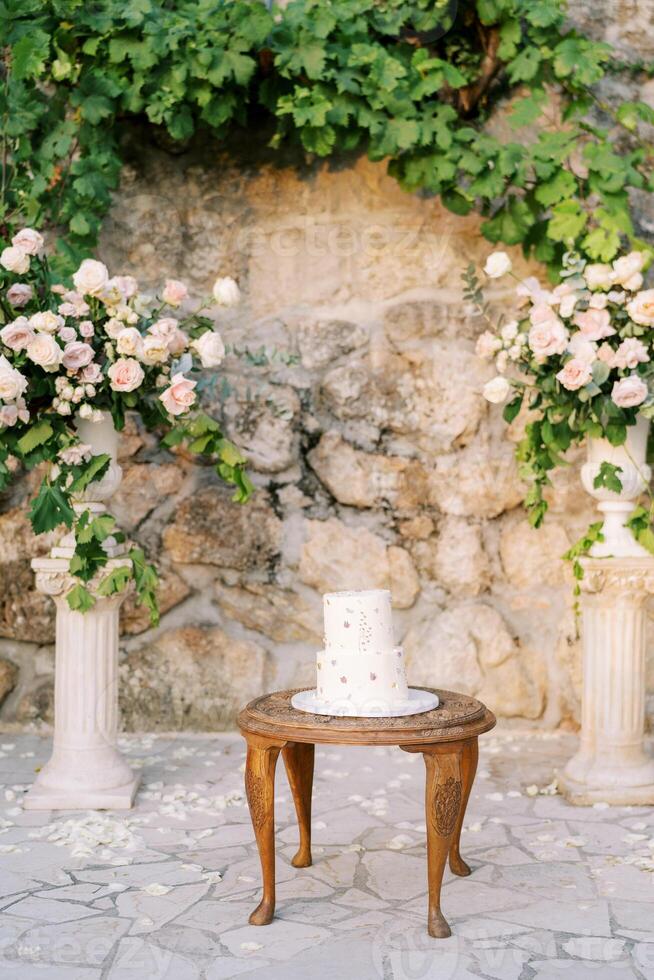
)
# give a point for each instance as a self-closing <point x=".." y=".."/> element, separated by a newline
<point x="377" y="462"/>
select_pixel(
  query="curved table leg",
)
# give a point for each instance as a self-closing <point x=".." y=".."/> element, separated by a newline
<point x="469" y="759"/>
<point x="260" y="790"/>
<point x="298" y="758"/>
<point x="443" y="799"/>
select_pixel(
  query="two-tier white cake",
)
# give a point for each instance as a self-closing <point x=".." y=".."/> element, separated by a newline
<point x="360" y="670"/>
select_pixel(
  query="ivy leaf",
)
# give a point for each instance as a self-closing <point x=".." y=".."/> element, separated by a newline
<point x="607" y="476"/>
<point x="35" y="436"/>
<point x="525" y="66"/>
<point x="49" y="509"/>
<point x="30" y="54"/>
<point x="80" y="599"/>
<point x="562" y="185"/>
<point x="567" y="221"/>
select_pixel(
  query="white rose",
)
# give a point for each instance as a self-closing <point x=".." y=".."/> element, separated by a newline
<point x="497" y="265"/>
<point x="45" y="351"/>
<point x="91" y="278"/>
<point x="113" y="327"/>
<point x="29" y="240"/>
<point x="12" y="382"/>
<point x="599" y="276"/>
<point x="496" y="391"/>
<point x="510" y="330"/>
<point x="582" y="349"/>
<point x="14" y="259"/>
<point x="226" y="292"/>
<point x="17" y="334"/>
<point x="641" y="308"/>
<point x="129" y="342"/>
<point x="210" y="349"/>
<point x="630" y="354"/>
<point x="155" y="350"/>
<point x="487" y="344"/>
<point x="46" y="322"/>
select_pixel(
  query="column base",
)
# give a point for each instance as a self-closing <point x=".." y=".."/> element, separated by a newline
<point x="52" y="798"/>
<point x="581" y="794"/>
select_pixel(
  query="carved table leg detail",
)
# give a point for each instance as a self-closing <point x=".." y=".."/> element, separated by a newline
<point x="469" y="759"/>
<point x="260" y="790"/>
<point x="443" y="801"/>
<point x="298" y="759"/>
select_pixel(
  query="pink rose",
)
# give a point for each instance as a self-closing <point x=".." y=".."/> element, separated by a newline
<point x="575" y="374"/>
<point x="605" y="353"/>
<point x="8" y="415"/>
<point x="18" y="334"/>
<point x="594" y="324"/>
<point x="86" y="328"/>
<point x="67" y="334"/>
<point x="175" y="292"/>
<point x="76" y="302"/>
<point x="629" y="392"/>
<point x="630" y="354"/>
<point x="77" y="355"/>
<point x="125" y="374"/>
<point x="19" y="295"/>
<point x="127" y="285"/>
<point x="548" y="337"/>
<point x="542" y="313"/>
<point x="178" y="343"/>
<point x="91" y="374"/>
<point x="180" y="396"/>
<point x="487" y="344"/>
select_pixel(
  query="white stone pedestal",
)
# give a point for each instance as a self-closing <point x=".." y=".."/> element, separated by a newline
<point x="86" y="770"/>
<point x="611" y="765"/>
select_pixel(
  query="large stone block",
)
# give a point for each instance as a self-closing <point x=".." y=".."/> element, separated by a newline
<point x="337" y="557"/>
<point x="209" y="529"/>
<point x="8" y="677"/>
<point x="280" y="614"/>
<point x="455" y="557"/>
<point x="479" y="481"/>
<point x="532" y="558"/>
<point x="190" y="678"/>
<point x="367" y="479"/>
<point x="469" y="648"/>
<point x="25" y="614"/>
<point x="144" y="487"/>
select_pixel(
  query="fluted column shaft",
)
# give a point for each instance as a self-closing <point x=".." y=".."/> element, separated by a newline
<point x="612" y="764"/>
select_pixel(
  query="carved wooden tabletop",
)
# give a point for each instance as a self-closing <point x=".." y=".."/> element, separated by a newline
<point x="457" y="716"/>
<point x="446" y="737"/>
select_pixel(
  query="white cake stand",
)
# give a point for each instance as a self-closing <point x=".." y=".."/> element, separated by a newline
<point x="416" y="704"/>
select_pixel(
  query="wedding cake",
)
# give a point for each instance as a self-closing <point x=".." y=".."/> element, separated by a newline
<point x="360" y="670"/>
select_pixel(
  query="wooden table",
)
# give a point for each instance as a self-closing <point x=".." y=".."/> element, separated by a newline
<point x="446" y="736"/>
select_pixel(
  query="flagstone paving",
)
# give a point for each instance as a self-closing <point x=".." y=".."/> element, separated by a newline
<point x="163" y="892"/>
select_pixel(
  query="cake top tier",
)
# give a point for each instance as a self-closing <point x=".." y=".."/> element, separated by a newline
<point x="358" y="622"/>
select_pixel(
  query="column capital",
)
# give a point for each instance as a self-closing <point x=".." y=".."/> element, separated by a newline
<point x="618" y="576"/>
<point x="53" y="578"/>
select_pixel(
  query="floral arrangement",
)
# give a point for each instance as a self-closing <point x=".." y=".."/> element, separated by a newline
<point x="579" y="357"/>
<point x="100" y="345"/>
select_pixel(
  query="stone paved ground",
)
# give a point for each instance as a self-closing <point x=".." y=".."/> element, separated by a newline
<point x="165" y="891"/>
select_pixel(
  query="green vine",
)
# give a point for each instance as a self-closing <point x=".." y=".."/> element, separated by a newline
<point x="406" y="81"/>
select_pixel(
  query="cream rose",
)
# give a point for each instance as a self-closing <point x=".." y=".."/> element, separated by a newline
<point x="487" y="344"/>
<point x="15" y="260"/>
<point x="599" y="276"/>
<point x="630" y="354"/>
<point x="226" y="292"/>
<point x="210" y="349"/>
<point x="547" y="338"/>
<point x="174" y="292"/>
<point x="575" y="374"/>
<point x="45" y="351"/>
<point x="629" y="392"/>
<point x="77" y="355"/>
<point x="582" y="349"/>
<point x="91" y="278"/>
<point x="126" y="285"/>
<point x="12" y="382"/>
<point x="180" y="396"/>
<point x="19" y="295"/>
<point x="46" y="322"/>
<point x="29" y="240"/>
<point x="129" y="342"/>
<point x="497" y="265"/>
<point x="641" y="308"/>
<point x="125" y="374"/>
<point x="594" y="324"/>
<point x="627" y="270"/>
<point x="155" y="349"/>
<point x="496" y="390"/>
<point x="17" y="335"/>
<point x="92" y="373"/>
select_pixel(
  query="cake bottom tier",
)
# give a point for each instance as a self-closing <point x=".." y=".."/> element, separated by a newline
<point x="374" y="679"/>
